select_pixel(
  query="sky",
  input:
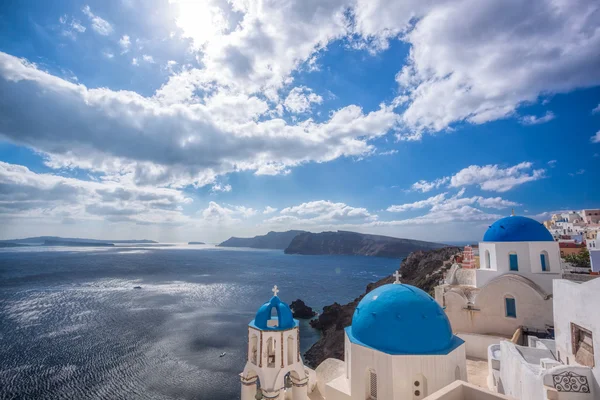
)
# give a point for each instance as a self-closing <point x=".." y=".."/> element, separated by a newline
<point x="199" y="120"/>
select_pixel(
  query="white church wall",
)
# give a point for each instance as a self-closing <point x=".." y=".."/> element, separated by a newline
<point x="489" y="313"/>
<point x="363" y="360"/>
<point x="433" y="371"/>
<point x="528" y="256"/>
<point x="477" y="344"/>
<point x="578" y="305"/>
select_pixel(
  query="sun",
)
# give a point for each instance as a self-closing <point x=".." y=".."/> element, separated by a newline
<point x="200" y="20"/>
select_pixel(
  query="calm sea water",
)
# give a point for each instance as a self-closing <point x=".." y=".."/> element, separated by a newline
<point x="73" y="327"/>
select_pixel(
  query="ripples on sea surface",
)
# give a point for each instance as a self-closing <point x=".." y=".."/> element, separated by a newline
<point x="73" y="327"/>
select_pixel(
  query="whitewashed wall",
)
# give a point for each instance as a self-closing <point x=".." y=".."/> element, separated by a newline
<point x="528" y="254"/>
<point x="578" y="304"/>
<point x="518" y="378"/>
<point x="533" y="310"/>
<point x="477" y="344"/>
<point x="396" y="374"/>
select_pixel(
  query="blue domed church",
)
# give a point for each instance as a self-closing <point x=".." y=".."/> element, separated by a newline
<point x="399" y="346"/>
<point x="510" y="292"/>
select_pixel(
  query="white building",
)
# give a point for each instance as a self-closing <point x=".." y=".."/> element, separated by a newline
<point x="511" y="289"/>
<point x="400" y="346"/>
<point x="273" y="358"/>
<point x="562" y="369"/>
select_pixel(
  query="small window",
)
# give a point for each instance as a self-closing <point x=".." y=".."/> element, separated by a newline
<point x="488" y="262"/>
<point x="544" y="261"/>
<point x="514" y="261"/>
<point x="582" y="343"/>
<point x="511" y="307"/>
<point x="372" y="393"/>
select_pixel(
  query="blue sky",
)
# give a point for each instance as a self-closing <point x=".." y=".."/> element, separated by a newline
<point x="199" y="120"/>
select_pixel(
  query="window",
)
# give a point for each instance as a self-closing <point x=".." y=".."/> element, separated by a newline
<point x="290" y="350"/>
<point x="253" y="349"/>
<point x="271" y="346"/>
<point x="511" y="307"/>
<point x="513" y="261"/>
<point x="582" y="344"/>
<point x="544" y="261"/>
<point x="372" y="385"/>
<point x="488" y="262"/>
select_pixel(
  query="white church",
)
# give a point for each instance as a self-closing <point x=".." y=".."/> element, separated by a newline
<point x="405" y="345"/>
<point x="510" y="291"/>
<point x="400" y="346"/>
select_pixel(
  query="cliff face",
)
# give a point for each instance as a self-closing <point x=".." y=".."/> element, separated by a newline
<point x="336" y="317"/>
<point x="352" y="243"/>
<point x="272" y="240"/>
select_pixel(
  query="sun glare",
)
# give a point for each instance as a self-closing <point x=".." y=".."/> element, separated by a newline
<point x="199" y="20"/>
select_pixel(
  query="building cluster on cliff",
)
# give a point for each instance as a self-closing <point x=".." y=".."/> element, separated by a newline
<point x="539" y="333"/>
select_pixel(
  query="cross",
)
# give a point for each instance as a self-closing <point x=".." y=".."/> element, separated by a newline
<point x="397" y="275"/>
<point x="275" y="290"/>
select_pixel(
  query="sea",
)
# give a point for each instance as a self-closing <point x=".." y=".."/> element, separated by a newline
<point x="73" y="326"/>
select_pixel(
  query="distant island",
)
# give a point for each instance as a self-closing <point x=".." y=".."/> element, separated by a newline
<point x="41" y="240"/>
<point x="340" y="242"/>
<point x="76" y="243"/>
<point x="196" y="243"/>
<point x="353" y="243"/>
<point x="9" y="244"/>
<point x="272" y="240"/>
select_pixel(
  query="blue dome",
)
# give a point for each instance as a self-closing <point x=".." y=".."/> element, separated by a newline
<point x="402" y="319"/>
<point x="285" y="320"/>
<point x="517" y="229"/>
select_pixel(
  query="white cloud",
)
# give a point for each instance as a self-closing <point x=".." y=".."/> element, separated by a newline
<point x="578" y="172"/>
<point x="424" y="186"/>
<point x="26" y="194"/>
<point x="218" y="214"/>
<point x="108" y="54"/>
<point x="388" y="152"/>
<point x="495" y="178"/>
<point x="552" y="163"/>
<point x="125" y="44"/>
<point x="147" y="58"/>
<point x="454" y="209"/>
<point x="488" y="177"/>
<point x="134" y="61"/>
<point x="218" y="187"/>
<point x="534" y="120"/>
<point x="595" y="138"/>
<point x="479" y="61"/>
<point x="122" y="132"/>
<point x="597" y="109"/>
<point x="269" y="210"/>
<point x="300" y="100"/>
<point x="71" y="27"/>
<point x="101" y="26"/>
<point x="254" y="47"/>
<point x="324" y="211"/>
<point x="418" y="204"/>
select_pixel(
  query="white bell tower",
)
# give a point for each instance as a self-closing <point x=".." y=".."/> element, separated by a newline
<point x="274" y="355"/>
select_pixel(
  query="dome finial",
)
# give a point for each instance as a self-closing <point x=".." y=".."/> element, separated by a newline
<point x="275" y="290"/>
<point x="513" y="212"/>
<point x="397" y="275"/>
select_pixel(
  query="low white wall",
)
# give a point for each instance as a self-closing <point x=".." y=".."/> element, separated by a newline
<point x="477" y="345"/>
<point x="519" y="379"/>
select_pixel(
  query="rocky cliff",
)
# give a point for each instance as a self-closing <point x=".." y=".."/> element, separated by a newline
<point x="352" y="243"/>
<point x="272" y="240"/>
<point x="419" y="269"/>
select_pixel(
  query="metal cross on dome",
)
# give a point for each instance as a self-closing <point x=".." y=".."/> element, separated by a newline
<point x="397" y="275"/>
<point x="275" y="290"/>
